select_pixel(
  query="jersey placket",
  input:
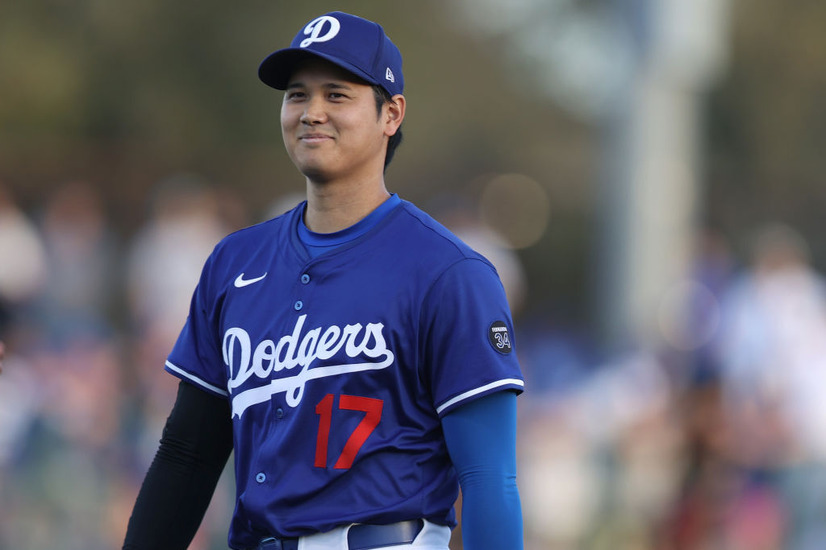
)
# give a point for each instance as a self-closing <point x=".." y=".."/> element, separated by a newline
<point x="280" y="410"/>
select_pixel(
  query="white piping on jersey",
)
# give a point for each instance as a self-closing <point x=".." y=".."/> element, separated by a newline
<point x="471" y="393"/>
<point x="198" y="381"/>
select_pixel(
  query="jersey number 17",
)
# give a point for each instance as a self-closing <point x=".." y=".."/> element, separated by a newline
<point x="372" y="409"/>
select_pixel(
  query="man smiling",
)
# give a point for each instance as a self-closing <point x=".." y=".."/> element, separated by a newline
<point x="363" y="369"/>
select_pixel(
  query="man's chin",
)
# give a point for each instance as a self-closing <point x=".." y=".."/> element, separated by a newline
<point x="316" y="174"/>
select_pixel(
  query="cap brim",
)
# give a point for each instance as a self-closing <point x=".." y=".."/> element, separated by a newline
<point x="277" y="68"/>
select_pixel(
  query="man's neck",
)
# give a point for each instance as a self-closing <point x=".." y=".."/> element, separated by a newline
<point x="334" y="206"/>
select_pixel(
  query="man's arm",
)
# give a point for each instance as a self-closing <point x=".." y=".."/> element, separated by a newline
<point x="196" y="443"/>
<point x="481" y="440"/>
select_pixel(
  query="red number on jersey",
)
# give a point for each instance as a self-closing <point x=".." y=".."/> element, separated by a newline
<point x="372" y="409"/>
<point x="324" y="410"/>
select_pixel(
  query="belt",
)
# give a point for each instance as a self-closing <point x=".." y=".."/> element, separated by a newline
<point x="360" y="536"/>
<point x="365" y="537"/>
<point x="272" y="543"/>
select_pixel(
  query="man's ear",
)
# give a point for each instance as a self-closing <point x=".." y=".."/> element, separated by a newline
<point x="394" y="113"/>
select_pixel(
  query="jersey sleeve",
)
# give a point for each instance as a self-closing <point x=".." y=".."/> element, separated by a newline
<point x="468" y="336"/>
<point x="196" y="356"/>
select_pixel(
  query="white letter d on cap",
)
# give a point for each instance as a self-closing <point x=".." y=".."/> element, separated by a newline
<point x="314" y="28"/>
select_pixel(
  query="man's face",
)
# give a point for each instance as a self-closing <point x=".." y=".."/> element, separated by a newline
<point x="330" y="125"/>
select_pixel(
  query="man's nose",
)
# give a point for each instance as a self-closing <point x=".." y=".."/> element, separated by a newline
<point x="314" y="112"/>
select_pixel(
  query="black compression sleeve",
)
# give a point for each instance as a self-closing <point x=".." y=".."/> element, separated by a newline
<point x="196" y="443"/>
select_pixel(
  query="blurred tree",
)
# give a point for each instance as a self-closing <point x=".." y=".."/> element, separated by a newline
<point x="122" y="94"/>
<point x="767" y="123"/>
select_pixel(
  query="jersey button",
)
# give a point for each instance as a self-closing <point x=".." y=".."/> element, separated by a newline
<point x="305" y="278"/>
<point x="260" y="477"/>
<point x="298" y="305"/>
<point x="279" y="412"/>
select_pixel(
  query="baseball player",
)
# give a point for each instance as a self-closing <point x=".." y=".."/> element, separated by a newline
<point x="355" y="355"/>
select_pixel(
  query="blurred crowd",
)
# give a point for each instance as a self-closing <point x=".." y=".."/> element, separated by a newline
<point x="713" y="442"/>
<point x="710" y="441"/>
<point x="87" y="321"/>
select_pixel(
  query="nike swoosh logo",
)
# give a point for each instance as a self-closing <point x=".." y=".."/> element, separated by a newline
<point x="240" y="282"/>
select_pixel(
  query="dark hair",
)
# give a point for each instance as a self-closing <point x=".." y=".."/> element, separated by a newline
<point x="383" y="96"/>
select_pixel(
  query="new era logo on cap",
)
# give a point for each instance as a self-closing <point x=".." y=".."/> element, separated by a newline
<point x="353" y="43"/>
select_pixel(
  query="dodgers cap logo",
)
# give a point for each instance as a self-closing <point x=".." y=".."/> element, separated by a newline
<point x="357" y="45"/>
<point x="315" y="27"/>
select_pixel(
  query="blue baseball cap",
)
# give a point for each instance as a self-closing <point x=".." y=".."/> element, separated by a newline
<point x="355" y="44"/>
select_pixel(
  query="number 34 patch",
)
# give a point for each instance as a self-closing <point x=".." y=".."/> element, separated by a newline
<point x="500" y="338"/>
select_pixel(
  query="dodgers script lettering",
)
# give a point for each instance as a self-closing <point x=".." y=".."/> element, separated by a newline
<point x="299" y="350"/>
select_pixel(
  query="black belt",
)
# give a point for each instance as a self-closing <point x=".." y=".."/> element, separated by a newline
<point x="272" y="543"/>
<point x="360" y="536"/>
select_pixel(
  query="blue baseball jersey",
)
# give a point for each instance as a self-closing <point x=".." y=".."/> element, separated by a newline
<point x="338" y="368"/>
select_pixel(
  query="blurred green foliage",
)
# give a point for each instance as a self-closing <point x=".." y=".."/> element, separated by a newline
<point x="766" y="124"/>
<point x="123" y="93"/>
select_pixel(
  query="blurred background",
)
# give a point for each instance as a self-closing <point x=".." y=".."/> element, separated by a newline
<point x="647" y="176"/>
